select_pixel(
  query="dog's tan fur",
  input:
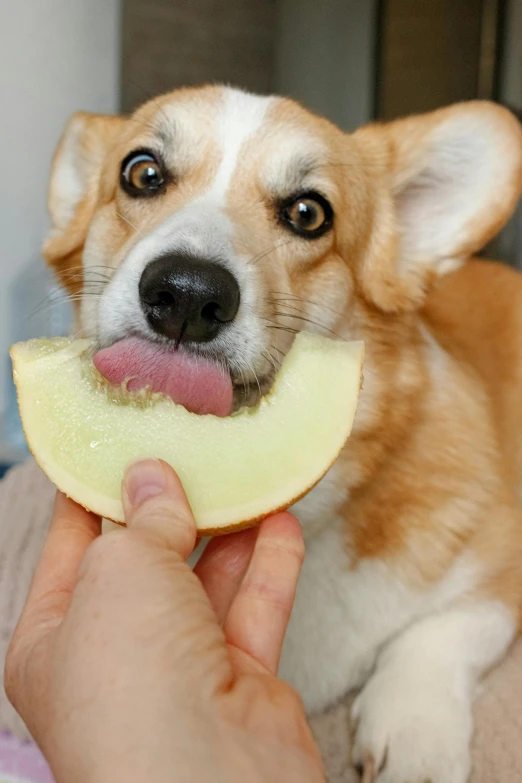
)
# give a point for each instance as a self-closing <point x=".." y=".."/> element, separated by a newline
<point x="434" y="467"/>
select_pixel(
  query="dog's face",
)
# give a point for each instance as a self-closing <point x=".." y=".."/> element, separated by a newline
<point x="220" y="223"/>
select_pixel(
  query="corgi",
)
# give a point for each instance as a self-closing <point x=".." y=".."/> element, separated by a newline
<point x="224" y="223"/>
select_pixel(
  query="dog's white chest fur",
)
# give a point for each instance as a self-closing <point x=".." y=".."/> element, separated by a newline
<point x="342" y="616"/>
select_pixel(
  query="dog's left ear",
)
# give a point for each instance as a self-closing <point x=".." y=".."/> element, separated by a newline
<point x="455" y="176"/>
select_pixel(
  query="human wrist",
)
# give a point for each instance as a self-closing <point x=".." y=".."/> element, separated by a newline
<point x="223" y="756"/>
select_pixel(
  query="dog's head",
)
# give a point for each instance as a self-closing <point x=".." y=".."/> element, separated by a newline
<point x="212" y="225"/>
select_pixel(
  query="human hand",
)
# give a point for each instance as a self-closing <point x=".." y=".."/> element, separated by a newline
<point x="127" y="665"/>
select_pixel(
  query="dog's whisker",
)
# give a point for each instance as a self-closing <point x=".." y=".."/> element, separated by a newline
<point x="88" y="270"/>
<point x="245" y="384"/>
<point x="292" y="307"/>
<point x="281" y="354"/>
<point x="253" y="371"/>
<point x="47" y="306"/>
<point x="276" y="363"/>
<point x="136" y="229"/>
<point x="92" y="268"/>
<point x="49" y="301"/>
<point x="299" y="315"/>
<point x="271" y="324"/>
<point x="310" y="321"/>
<point x="265" y="253"/>
<point x="86" y="282"/>
<point x="79" y="334"/>
<point x="270" y="359"/>
<point x="100" y="269"/>
<point x="282" y="296"/>
<point x="75" y="278"/>
<point x="283" y="328"/>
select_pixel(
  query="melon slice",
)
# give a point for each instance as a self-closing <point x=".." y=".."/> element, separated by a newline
<point x="235" y="470"/>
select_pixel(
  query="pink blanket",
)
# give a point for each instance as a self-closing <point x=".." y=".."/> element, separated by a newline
<point x="21" y="761"/>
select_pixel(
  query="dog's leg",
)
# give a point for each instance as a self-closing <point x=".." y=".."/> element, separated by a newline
<point x="414" y="716"/>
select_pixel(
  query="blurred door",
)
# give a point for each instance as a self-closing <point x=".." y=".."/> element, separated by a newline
<point x="435" y="52"/>
<point x="174" y="43"/>
<point x="431" y="53"/>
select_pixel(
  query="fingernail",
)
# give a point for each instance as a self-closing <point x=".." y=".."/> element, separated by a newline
<point x="144" y="480"/>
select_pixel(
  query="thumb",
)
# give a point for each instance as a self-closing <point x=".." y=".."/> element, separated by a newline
<point x="154" y="501"/>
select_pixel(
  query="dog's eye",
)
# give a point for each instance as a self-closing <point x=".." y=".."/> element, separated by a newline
<point x="141" y="174"/>
<point x="310" y="215"/>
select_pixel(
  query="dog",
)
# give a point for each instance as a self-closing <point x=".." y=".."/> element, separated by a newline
<point x="222" y="223"/>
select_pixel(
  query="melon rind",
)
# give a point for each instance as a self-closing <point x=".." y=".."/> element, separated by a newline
<point x="235" y="470"/>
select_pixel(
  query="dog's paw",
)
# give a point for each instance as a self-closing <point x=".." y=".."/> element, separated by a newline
<point x="410" y="732"/>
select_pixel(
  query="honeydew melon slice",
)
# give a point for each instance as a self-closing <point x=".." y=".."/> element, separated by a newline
<point x="235" y="470"/>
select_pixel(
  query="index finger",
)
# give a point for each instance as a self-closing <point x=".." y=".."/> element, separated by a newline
<point x="71" y="532"/>
<point x="259" y="615"/>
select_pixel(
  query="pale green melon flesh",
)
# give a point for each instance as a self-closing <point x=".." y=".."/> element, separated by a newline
<point x="235" y="470"/>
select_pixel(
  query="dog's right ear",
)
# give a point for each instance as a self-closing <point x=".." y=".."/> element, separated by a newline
<point x="452" y="179"/>
<point x="74" y="189"/>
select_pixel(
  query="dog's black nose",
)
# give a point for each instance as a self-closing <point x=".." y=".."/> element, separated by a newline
<point x="187" y="298"/>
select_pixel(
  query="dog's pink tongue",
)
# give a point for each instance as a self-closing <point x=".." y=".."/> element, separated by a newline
<point x="198" y="385"/>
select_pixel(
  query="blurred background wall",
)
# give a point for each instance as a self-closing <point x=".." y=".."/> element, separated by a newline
<point x="351" y="60"/>
<point x="56" y="56"/>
